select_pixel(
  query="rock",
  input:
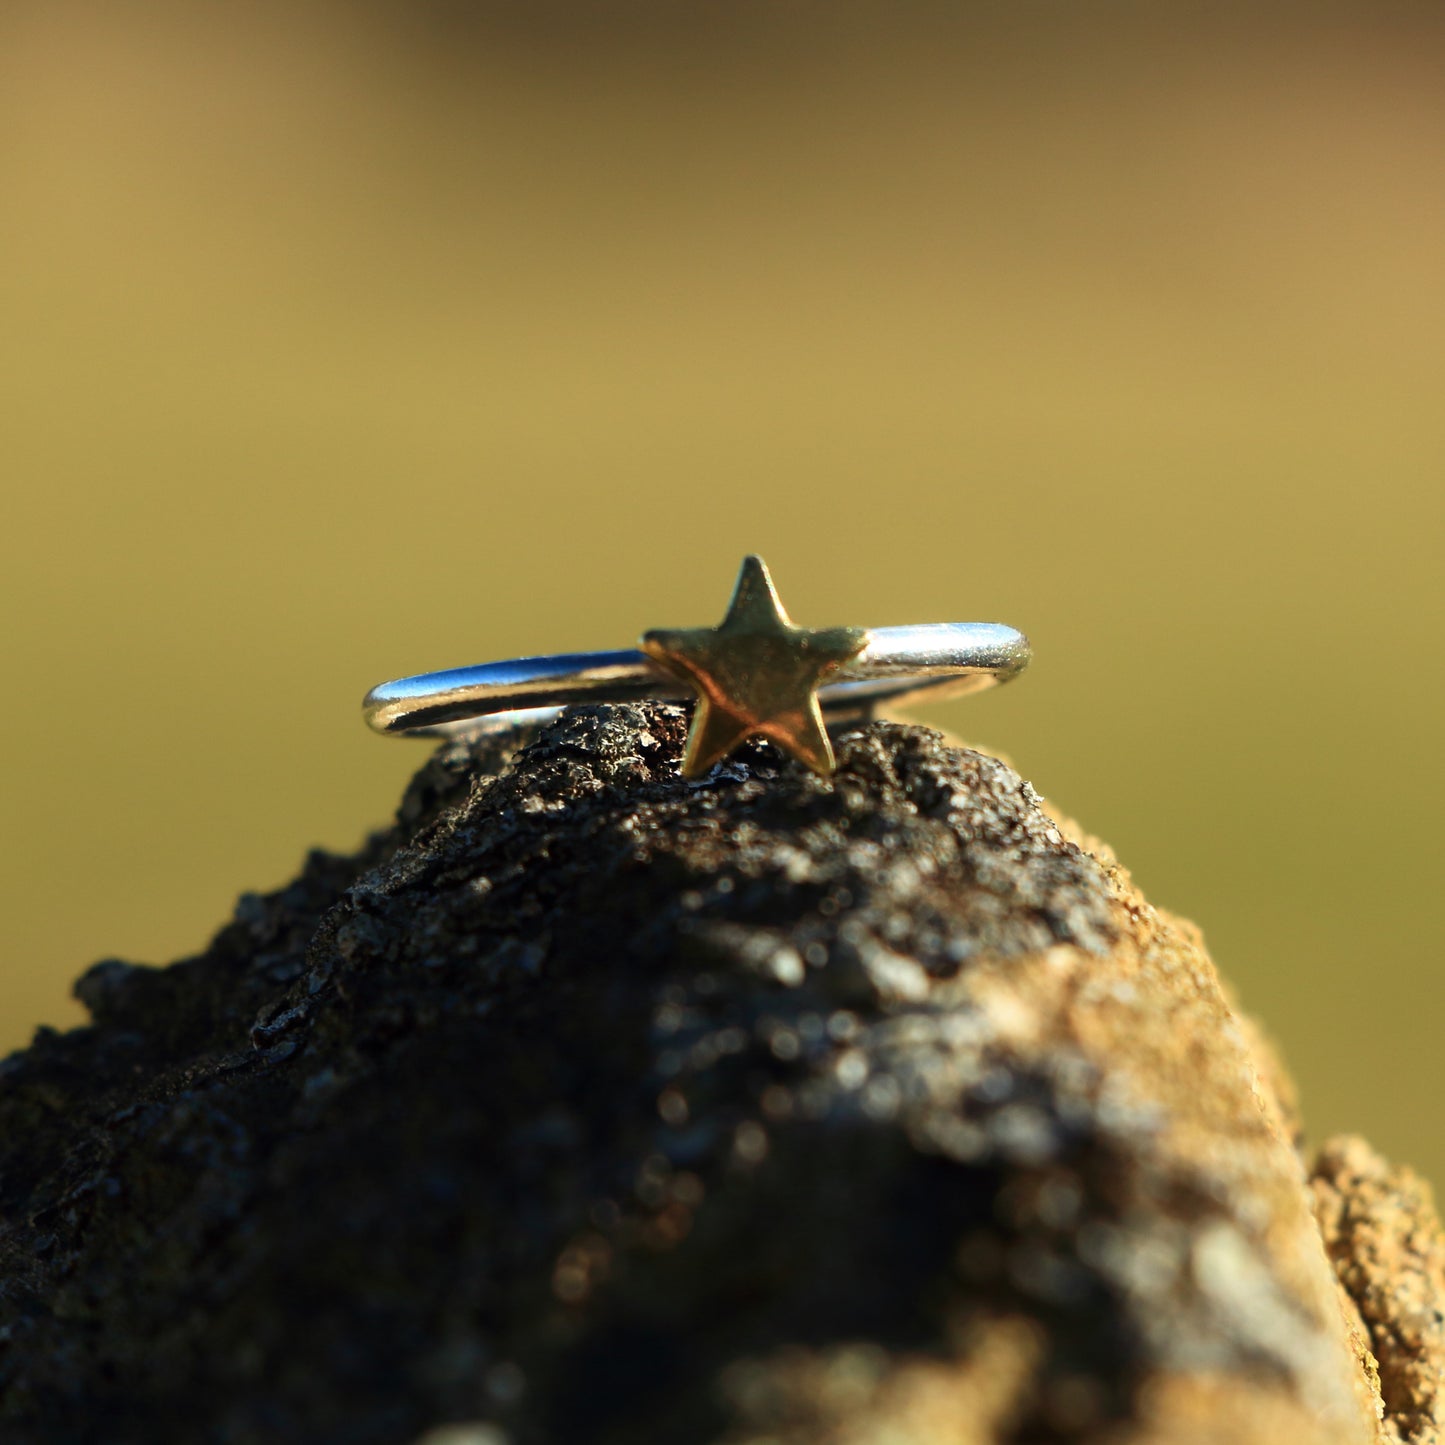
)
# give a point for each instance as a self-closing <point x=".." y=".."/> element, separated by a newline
<point x="1381" y="1230"/>
<point x="591" y="1105"/>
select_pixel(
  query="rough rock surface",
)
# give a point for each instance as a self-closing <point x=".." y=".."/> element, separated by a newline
<point x="590" y="1105"/>
<point x="1382" y="1233"/>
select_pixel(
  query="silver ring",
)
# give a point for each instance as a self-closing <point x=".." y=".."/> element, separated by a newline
<point x="897" y="664"/>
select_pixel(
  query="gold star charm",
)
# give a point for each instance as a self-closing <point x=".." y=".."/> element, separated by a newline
<point x="756" y="674"/>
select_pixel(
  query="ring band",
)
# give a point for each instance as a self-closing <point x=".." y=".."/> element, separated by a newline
<point x="933" y="660"/>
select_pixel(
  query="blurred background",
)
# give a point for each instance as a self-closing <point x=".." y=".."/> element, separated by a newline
<point x="346" y="341"/>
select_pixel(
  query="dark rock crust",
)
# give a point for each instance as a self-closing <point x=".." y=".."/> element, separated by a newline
<point x="582" y="1094"/>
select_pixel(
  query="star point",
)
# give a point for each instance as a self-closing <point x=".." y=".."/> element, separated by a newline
<point x="756" y="674"/>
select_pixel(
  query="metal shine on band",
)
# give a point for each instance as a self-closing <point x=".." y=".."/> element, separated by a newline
<point x="756" y="674"/>
<point x="936" y="659"/>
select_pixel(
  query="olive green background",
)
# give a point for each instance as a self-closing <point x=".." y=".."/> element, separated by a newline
<point x="343" y="342"/>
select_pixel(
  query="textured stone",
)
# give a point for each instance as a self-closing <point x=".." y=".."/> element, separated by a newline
<point x="1382" y="1232"/>
<point x="588" y="1104"/>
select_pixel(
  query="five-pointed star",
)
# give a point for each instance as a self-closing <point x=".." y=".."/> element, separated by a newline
<point x="756" y="674"/>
